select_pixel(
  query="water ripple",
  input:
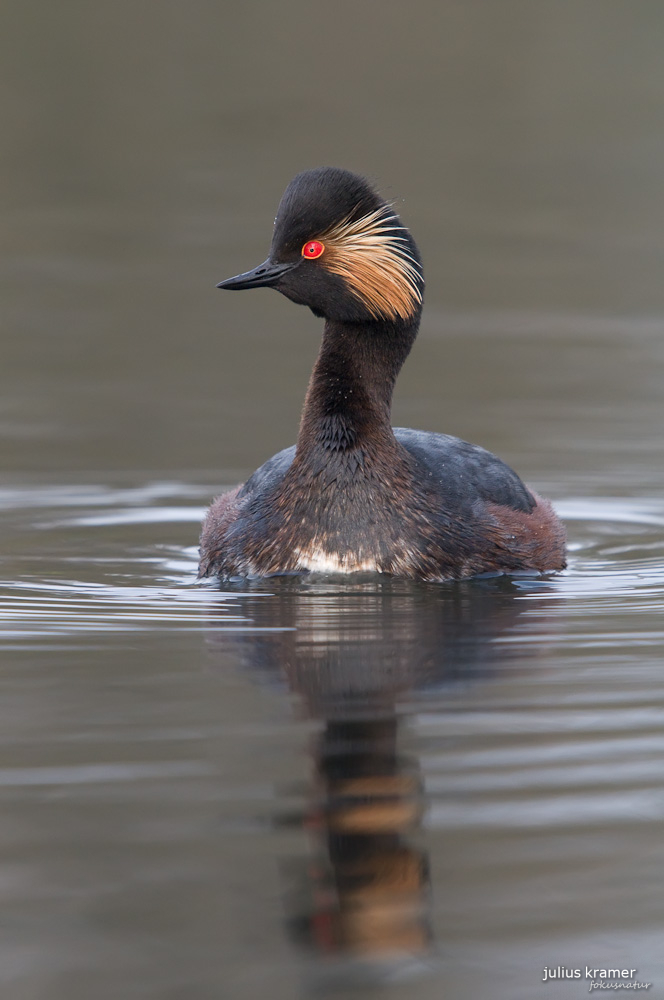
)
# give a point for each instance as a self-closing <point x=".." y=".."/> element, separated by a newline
<point x="616" y="565"/>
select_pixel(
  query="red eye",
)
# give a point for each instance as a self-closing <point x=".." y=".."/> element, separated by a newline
<point x="312" y="250"/>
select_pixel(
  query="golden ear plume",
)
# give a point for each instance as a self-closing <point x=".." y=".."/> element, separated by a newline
<point x="376" y="264"/>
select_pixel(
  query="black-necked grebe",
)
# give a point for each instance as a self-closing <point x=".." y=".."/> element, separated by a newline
<point x="355" y="494"/>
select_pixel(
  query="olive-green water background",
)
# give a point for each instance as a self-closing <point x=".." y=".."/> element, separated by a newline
<point x="145" y="147"/>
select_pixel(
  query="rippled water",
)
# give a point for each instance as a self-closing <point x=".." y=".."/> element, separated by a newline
<point x="334" y="783"/>
<point x="319" y="787"/>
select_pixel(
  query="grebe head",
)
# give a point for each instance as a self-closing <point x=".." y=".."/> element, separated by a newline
<point x="340" y="249"/>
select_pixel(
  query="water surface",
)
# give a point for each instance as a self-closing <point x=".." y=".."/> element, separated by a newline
<point x="317" y="786"/>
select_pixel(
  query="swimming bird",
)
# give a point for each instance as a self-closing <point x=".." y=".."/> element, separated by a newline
<point x="355" y="494"/>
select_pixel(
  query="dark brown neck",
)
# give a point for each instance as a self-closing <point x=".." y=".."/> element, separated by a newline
<point x="349" y="398"/>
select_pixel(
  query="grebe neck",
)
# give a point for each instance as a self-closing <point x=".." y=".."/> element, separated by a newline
<point x="349" y="398"/>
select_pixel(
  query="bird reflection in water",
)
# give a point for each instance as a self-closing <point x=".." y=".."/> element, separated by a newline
<point x="370" y="884"/>
<point x="361" y="657"/>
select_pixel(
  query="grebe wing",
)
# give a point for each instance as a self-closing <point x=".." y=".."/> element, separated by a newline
<point x="465" y="472"/>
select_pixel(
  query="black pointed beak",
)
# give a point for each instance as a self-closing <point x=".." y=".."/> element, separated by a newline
<point x="263" y="276"/>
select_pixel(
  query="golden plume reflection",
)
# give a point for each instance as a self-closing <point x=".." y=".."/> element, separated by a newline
<point x="361" y="657"/>
<point x="370" y="886"/>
